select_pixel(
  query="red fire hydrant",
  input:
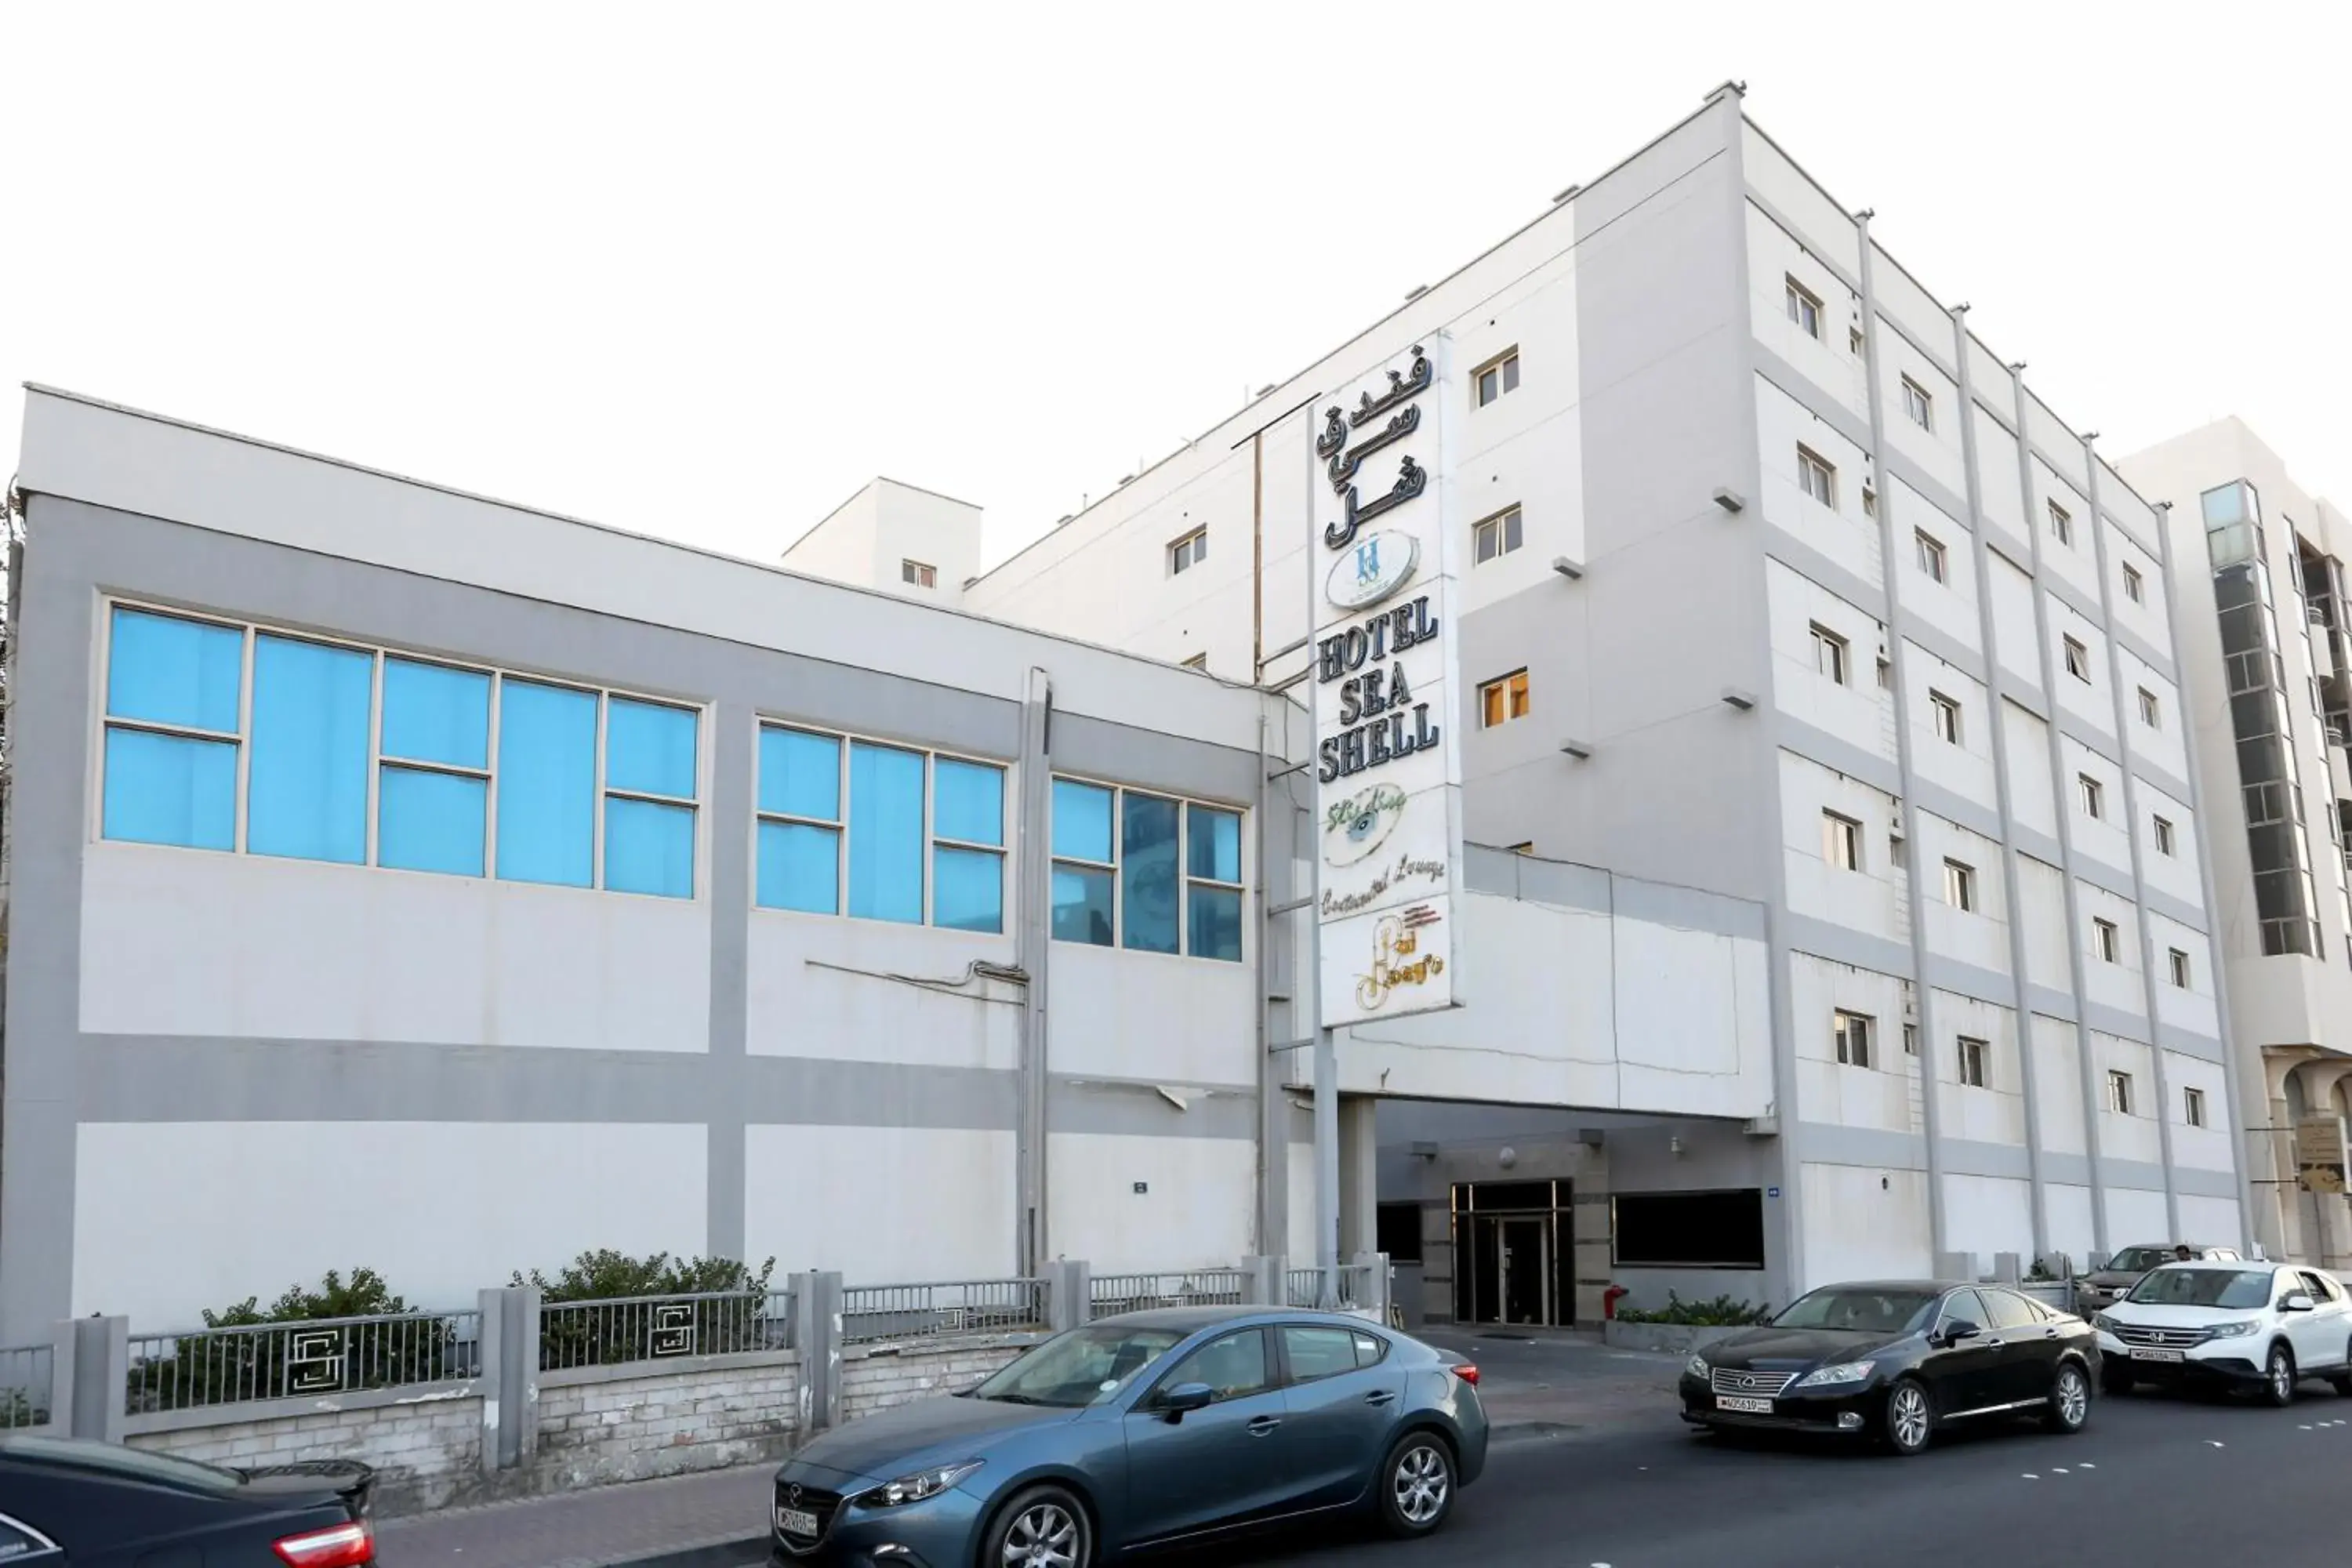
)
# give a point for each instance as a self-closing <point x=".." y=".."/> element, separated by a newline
<point x="1608" y="1301"/>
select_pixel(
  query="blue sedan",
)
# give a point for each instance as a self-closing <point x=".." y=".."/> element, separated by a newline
<point x="1137" y="1431"/>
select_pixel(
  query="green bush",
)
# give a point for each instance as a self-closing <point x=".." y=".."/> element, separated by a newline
<point x="274" y="1363"/>
<point x="729" y="1312"/>
<point x="1722" y="1312"/>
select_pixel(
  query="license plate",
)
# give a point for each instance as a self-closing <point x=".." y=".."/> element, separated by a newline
<point x="2139" y="1352"/>
<point x="1743" y="1403"/>
<point x="796" y="1521"/>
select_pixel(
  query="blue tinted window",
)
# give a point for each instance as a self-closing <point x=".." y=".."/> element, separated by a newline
<point x="967" y="802"/>
<point x="1149" y="886"/>
<point x="799" y="867"/>
<point x="800" y="774"/>
<point x="967" y="890"/>
<point x="886" y="833"/>
<point x="649" y="748"/>
<point x="163" y="789"/>
<point x="1081" y="821"/>
<point x="546" y="784"/>
<point x="306" y="793"/>
<point x="1213" y="843"/>
<point x="171" y="671"/>
<point x="434" y="714"/>
<point x="648" y="848"/>
<point x="430" y="822"/>
<point x="1216" y="924"/>
<point x="1082" y="905"/>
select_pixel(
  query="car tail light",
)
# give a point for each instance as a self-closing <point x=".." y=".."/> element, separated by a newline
<point x="344" y="1546"/>
<point x="1467" y="1374"/>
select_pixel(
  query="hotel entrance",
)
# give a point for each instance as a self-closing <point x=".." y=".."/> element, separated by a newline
<point x="1513" y="1254"/>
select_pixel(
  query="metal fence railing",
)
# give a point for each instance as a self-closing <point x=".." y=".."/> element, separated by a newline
<point x="874" y="1312"/>
<point x="25" y="1382"/>
<point x="1351" y="1288"/>
<point x="198" y="1368"/>
<point x="1113" y="1293"/>
<point x="624" y="1329"/>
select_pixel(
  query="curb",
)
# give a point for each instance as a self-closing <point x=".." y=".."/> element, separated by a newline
<point x="741" y="1553"/>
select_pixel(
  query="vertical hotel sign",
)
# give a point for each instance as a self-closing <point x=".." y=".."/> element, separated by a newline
<point x="1388" y="768"/>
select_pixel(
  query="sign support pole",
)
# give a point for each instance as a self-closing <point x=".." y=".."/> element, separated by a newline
<point x="1326" y="1052"/>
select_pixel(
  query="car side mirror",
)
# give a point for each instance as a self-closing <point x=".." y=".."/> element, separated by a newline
<point x="2298" y="1302"/>
<point x="1186" y="1396"/>
<point x="1960" y="1329"/>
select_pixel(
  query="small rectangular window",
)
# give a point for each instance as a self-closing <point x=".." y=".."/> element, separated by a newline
<point x="434" y="778"/>
<point x="1084" y="870"/>
<point x="650" y="750"/>
<point x="306" y="790"/>
<point x="1946" y="714"/>
<point x="1917" y="406"/>
<point x="1931" y="555"/>
<point x="886" y="833"/>
<point x="2119" y="1093"/>
<point x="1841" y="841"/>
<point x="1972" y="1061"/>
<point x="1496" y="376"/>
<point x="2134" y="586"/>
<point x="2078" y="660"/>
<point x="2062" y="524"/>
<point x="1854" y="343"/>
<point x="1852" y="1035"/>
<point x="1146" y="872"/>
<point x="1212" y="887"/>
<point x="1831" y="655"/>
<point x="2166" y="841"/>
<point x="1503" y="699"/>
<point x="171" y="767"/>
<point x="1804" y="309"/>
<point x="2094" y="795"/>
<point x="2151" y="714"/>
<point x="1816" y="476"/>
<point x="1869" y="501"/>
<point x="1497" y="535"/>
<point x="2192" y="1107"/>
<point x="967" y="846"/>
<point x="2179" y="963"/>
<point x="1188" y="551"/>
<point x="1910" y="1039"/>
<point x="799" y="853"/>
<point x="546" y="784"/>
<point x="2105" y="939"/>
<point x="919" y="575"/>
<point x="1959" y="884"/>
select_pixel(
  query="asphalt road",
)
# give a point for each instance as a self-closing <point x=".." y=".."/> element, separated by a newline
<point x="2152" y="1480"/>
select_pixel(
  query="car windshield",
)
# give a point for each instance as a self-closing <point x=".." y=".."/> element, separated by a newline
<point x="1860" y="1310"/>
<point x="137" y="1464"/>
<point x="2242" y="1288"/>
<point x="2138" y="1259"/>
<point x="1082" y="1367"/>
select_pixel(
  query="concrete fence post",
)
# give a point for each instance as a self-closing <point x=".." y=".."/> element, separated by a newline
<point x="61" y="1376"/>
<point x="490" y="1348"/>
<point x="101" y="1378"/>
<point x="1262" y="1282"/>
<point x="1069" y="1294"/>
<point x="808" y="1340"/>
<point x="821" y="1362"/>
<point x="2007" y="1268"/>
<point x="520" y="1338"/>
<point x="1374" y="1267"/>
<point x="1959" y="1266"/>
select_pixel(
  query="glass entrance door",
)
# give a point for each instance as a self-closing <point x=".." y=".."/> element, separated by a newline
<point x="1522" y="1258"/>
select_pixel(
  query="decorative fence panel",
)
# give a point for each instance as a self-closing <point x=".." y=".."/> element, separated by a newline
<point x="660" y="1328"/>
<point x="198" y="1368"/>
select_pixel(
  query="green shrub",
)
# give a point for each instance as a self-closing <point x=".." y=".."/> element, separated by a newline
<point x="274" y="1363"/>
<point x="728" y="1312"/>
<point x="1722" y="1312"/>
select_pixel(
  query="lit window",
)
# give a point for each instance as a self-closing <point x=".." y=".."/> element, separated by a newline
<point x="2134" y="586"/>
<point x="2105" y="939"/>
<point x="2151" y="714"/>
<point x="1851" y="1032"/>
<point x="1804" y="309"/>
<point x="2180" y="962"/>
<point x="1841" y="841"/>
<point x="873" y="859"/>
<point x="919" y="575"/>
<point x="2166" y="843"/>
<point x="1188" y="551"/>
<point x="1497" y="535"/>
<point x="2078" y="660"/>
<point x="1972" y="1061"/>
<point x="1503" y="699"/>
<point x="1947" y="712"/>
<point x="1959" y="884"/>
<point x="1831" y="654"/>
<point x="2119" y="1093"/>
<point x="1917" y="406"/>
<point x="1931" y="554"/>
<point x="1496" y="376"/>
<point x="2094" y="795"/>
<point x="2192" y="1106"/>
<point x="1816" y="476"/>
<point x="1167" y="879"/>
<point x="2062" y="524"/>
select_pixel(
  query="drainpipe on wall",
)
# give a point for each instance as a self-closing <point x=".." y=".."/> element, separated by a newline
<point x="1032" y="942"/>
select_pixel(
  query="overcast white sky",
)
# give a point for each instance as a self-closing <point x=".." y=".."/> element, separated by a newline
<point x="700" y="271"/>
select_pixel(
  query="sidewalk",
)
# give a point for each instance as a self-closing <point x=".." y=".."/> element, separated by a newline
<point x="1535" y="1385"/>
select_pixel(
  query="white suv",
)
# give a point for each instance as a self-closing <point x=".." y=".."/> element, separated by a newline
<point x="2260" y="1326"/>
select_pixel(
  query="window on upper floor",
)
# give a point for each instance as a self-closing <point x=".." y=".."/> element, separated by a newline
<point x="2135" y="585"/>
<point x="1932" y="559"/>
<point x="2078" y="660"/>
<point x="1146" y="872"/>
<point x="1850" y="1033"/>
<point x="879" y="832"/>
<point x="2106" y="939"/>
<point x="2062" y="524"/>
<point x="1841" y="841"/>
<point x="2178" y="959"/>
<point x="1817" y="476"/>
<point x="1496" y="535"/>
<point x="2192" y="1107"/>
<point x="1972" y="1060"/>
<point x="1917" y="406"/>
<point x="1189" y="551"/>
<point x="918" y="574"/>
<point x="1496" y="376"/>
<point x="1502" y="700"/>
<point x="1804" y="309"/>
<point x="1831" y="655"/>
<point x="2119" y="1093"/>
<point x="2166" y="841"/>
<point x="1959" y="884"/>
<point x="1946" y="712"/>
<point x="1910" y="1039"/>
<point x="2092" y="794"/>
<point x="1855" y="341"/>
<point x="232" y="737"/>
<point x="2151" y="712"/>
<point x="1869" y="501"/>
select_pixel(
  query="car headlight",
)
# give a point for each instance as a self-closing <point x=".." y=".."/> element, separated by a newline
<point x="2237" y="1331"/>
<point x="920" y="1485"/>
<point x="2101" y="1320"/>
<point x="1696" y="1366"/>
<point x="1830" y="1376"/>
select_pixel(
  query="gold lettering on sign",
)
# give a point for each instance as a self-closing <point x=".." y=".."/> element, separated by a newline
<point x="1397" y="958"/>
<point x="1405" y="870"/>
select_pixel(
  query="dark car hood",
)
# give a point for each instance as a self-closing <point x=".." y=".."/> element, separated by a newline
<point x="1770" y="1348"/>
<point x="901" y="1439"/>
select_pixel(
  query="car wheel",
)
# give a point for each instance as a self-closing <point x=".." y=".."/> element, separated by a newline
<point x="2070" y="1400"/>
<point x="2342" y="1382"/>
<point x="1044" y="1527"/>
<point x="1416" y="1485"/>
<point x="1910" y="1418"/>
<point x="2278" y="1378"/>
<point x="2116" y="1380"/>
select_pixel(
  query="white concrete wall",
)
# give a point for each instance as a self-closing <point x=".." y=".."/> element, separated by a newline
<point x="2058" y="1087"/>
<point x="1878" y="1096"/>
<point x="1867" y="898"/>
<point x="1863" y="1222"/>
<point x="931" y="1202"/>
<point x="1198" y="1208"/>
<point x="1844" y="533"/>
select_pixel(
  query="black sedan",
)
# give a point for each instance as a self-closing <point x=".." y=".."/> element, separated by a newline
<point x="66" y="1504"/>
<point x="1894" y="1362"/>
